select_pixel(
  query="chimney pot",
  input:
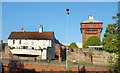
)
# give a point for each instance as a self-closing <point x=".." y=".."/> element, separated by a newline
<point x="22" y="30"/>
<point x="41" y="28"/>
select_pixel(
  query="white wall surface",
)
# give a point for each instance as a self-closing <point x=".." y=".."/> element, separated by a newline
<point x="30" y="43"/>
<point x="44" y="54"/>
<point x="26" y="51"/>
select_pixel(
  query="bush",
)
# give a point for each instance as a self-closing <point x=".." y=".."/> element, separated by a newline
<point x="92" y="41"/>
<point x="73" y="45"/>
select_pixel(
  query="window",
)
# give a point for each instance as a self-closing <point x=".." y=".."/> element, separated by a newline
<point x="32" y="42"/>
<point x="14" y="41"/>
<point x="32" y="47"/>
<point x="25" y="47"/>
<point x="44" y="43"/>
<point x="90" y="25"/>
<point x="19" y="41"/>
<point x="39" y="47"/>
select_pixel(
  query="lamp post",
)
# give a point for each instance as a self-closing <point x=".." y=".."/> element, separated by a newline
<point x="67" y="39"/>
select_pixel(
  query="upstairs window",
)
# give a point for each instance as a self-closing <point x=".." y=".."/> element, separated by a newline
<point x="44" y="43"/>
<point x="32" y="42"/>
<point x="90" y="25"/>
<point x="19" y="41"/>
<point x="13" y="41"/>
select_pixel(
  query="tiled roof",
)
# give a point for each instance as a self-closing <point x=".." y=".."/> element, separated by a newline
<point x="31" y="35"/>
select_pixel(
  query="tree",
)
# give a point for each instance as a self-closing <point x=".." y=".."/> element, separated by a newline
<point x="73" y="44"/>
<point x="92" y="41"/>
<point x="117" y="64"/>
<point x="110" y="40"/>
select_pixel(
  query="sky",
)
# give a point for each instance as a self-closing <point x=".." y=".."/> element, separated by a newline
<point x="53" y="17"/>
<point x="60" y="0"/>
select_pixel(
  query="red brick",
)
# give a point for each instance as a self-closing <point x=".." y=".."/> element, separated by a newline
<point x="48" y="67"/>
<point x="90" y="29"/>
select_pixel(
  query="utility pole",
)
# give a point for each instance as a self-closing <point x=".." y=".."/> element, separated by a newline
<point x="67" y="39"/>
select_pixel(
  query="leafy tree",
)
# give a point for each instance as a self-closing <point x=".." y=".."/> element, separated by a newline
<point x="117" y="64"/>
<point x="73" y="44"/>
<point x="110" y="59"/>
<point x="111" y="41"/>
<point x="92" y="41"/>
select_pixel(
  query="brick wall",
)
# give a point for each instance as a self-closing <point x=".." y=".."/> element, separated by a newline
<point x="49" y="67"/>
<point x="58" y="52"/>
<point x="87" y="33"/>
<point x="90" y="29"/>
<point x="91" y="25"/>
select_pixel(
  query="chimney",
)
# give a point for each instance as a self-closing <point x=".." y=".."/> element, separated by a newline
<point x="22" y="30"/>
<point x="41" y="28"/>
<point x="91" y="17"/>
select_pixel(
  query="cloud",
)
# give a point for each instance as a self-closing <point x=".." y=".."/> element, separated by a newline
<point x="79" y="45"/>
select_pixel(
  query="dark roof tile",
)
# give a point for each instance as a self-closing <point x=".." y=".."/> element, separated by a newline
<point x="31" y="35"/>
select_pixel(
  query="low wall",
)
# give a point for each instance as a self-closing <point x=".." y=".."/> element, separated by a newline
<point x="89" y="56"/>
<point x="39" y="68"/>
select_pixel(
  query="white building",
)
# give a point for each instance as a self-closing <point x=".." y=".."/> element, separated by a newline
<point x="33" y="43"/>
<point x="95" y="47"/>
